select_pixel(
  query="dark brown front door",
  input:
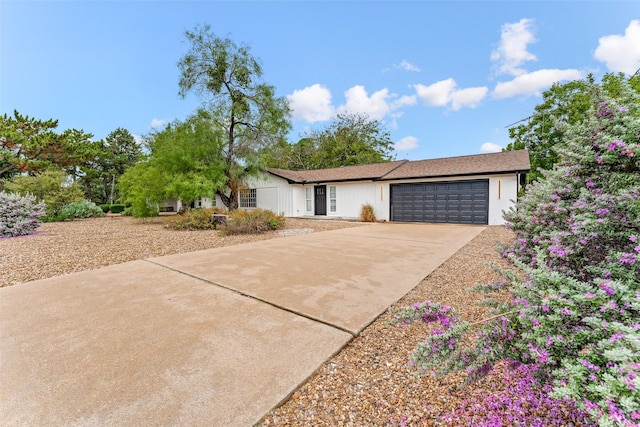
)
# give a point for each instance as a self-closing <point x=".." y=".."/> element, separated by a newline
<point x="320" y="200"/>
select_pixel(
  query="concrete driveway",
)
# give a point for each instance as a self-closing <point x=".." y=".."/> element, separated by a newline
<point x="210" y="338"/>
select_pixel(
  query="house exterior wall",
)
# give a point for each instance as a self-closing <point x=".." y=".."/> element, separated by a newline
<point x="276" y="194"/>
<point x="349" y="198"/>
<point x="272" y="193"/>
<point x="503" y="193"/>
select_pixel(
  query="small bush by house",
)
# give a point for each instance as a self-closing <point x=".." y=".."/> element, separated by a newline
<point x="367" y="213"/>
<point x="252" y="222"/>
<point x="194" y="219"/>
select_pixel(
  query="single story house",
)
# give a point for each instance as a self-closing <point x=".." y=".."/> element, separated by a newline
<point x="473" y="189"/>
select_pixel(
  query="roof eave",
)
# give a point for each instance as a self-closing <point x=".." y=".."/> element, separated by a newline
<point x="456" y="174"/>
<point x="319" y="181"/>
<point x="289" y="180"/>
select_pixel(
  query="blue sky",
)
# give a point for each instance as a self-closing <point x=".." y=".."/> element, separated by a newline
<point x="446" y="78"/>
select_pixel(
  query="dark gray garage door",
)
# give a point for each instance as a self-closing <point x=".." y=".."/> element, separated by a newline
<point x="458" y="202"/>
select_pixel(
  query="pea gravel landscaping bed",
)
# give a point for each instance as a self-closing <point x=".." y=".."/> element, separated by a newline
<point x="65" y="247"/>
<point x="368" y="383"/>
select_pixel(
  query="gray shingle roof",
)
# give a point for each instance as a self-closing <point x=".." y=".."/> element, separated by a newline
<point x="503" y="162"/>
<point x="506" y="161"/>
<point x="345" y="173"/>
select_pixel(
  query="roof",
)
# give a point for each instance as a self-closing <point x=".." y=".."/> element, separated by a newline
<point x="344" y="173"/>
<point x="503" y="162"/>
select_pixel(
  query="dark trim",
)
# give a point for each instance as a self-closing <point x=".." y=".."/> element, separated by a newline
<point x="454" y="175"/>
<point x="290" y="181"/>
<point x="338" y="180"/>
<point x="382" y="178"/>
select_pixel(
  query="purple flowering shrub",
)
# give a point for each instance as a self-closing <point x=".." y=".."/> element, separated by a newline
<point x="19" y="215"/>
<point x="577" y="237"/>
<point x="519" y="401"/>
<point x="574" y="314"/>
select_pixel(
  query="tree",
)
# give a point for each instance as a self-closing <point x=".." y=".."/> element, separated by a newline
<point x="185" y="161"/>
<point x="350" y="139"/>
<point x="113" y="156"/>
<point x="562" y="103"/>
<point x="51" y="186"/>
<point x="30" y="145"/>
<point x="227" y="78"/>
<point x="298" y="156"/>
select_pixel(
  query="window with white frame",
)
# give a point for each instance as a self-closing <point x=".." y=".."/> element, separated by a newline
<point x="309" y="199"/>
<point x="247" y="198"/>
<point x="332" y="198"/>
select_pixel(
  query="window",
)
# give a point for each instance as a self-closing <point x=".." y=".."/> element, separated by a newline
<point x="309" y="199"/>
<point x="332" y="198"/>
<point x="247" y="198"/>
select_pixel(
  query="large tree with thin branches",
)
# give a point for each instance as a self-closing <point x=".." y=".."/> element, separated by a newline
<point x="228" y="79"/>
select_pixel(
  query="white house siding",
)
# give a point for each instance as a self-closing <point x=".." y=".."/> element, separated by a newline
<point x="350" y="196"/>
<point x="272" y="193"/>
<point x="298" y="201"/>
<point x="171" y="205"/>
<point x="503" y="192"/>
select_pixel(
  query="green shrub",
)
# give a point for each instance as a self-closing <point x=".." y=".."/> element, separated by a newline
<point x="367" y="213"/>
<point x="252" y="222"/>
<point x="19" y="215"/>
<point x="194" y="219"/>
<point x="83" y="209"/>
<point x="51" y="187"/>
<point x="116" y="209"/>
<point x="575" y="303"/>
<point x="105" y="207"/>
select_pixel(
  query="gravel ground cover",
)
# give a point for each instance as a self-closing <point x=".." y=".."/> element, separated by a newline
<point x="368" y="383"/>
<point x="65" y="247"/>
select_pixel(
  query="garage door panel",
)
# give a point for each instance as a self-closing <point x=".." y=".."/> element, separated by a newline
<point x="465" y="202"/>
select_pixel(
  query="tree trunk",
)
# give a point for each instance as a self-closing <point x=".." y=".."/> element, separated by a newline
<point x="230" y="201"/>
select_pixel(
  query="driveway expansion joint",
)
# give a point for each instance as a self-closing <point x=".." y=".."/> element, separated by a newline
<point x="246" y="295"/>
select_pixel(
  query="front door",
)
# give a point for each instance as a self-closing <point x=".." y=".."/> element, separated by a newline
<point x="320" y="200"/>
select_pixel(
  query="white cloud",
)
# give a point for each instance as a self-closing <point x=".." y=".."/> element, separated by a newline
<point x="157" y="123"/>
<point x="512" y="50"/>
<point x="407" y="66"/>
<point x="490" y="147"/>
<point x="438" y="94"/>
<point x="469" y="97"/>
<point x="533" y="83"/>
<point x="311" y="104"/>
<point x="375" y="106"/>
<point x="403" y="101"/>
<point x="137" y="138"/>
<point x="407" y="143"/>
<point x="445" y="92"/>
<point x="621" y="53"/>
